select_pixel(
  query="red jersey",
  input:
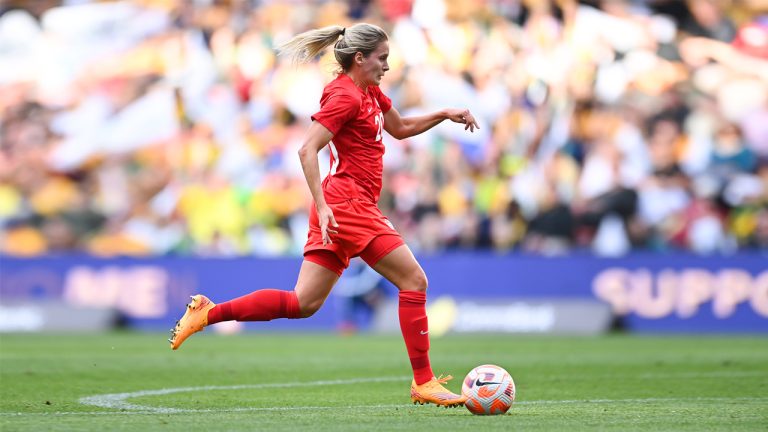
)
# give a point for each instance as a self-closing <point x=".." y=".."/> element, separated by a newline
<point x="356" y="119"/>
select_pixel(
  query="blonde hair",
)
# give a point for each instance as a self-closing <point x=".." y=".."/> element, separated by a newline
<point x="361" y="37"/>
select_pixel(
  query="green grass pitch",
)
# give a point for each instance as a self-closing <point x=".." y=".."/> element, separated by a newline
<point x="268" y="381"/>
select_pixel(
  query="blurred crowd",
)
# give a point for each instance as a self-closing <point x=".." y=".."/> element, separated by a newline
<point x="165" y="127"/>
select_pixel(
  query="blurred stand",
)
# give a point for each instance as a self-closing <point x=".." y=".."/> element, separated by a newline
<point x="358" y="294"/>
<point x="169" y="127"/>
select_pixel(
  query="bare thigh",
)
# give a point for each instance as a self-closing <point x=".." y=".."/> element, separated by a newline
<point x="401" y="268"/>
<point x="313" y="286"/>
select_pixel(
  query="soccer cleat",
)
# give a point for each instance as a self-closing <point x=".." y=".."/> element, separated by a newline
<point x="195" y="319"/>
<point x="433" y="391"/>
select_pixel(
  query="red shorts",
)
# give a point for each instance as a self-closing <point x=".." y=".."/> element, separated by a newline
<point x="363" y="231"/>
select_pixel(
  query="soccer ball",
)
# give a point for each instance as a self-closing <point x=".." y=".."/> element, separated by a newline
<point x="489" y="390"/>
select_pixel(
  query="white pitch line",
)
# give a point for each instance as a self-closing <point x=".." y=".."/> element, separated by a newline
<point x="207" y="410"/>
<point x="118" y="400"/>
<point x="154" y="410"/>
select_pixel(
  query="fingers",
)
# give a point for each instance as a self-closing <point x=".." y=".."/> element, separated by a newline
<point x="469" y="121"/>
<point x="327" y="228"/>
<point x="326" y="233"/>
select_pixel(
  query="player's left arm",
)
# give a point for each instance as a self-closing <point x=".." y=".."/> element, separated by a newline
<point x="404" y="127"/>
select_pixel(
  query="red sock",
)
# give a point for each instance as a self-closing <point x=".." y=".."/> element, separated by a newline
<point x="262" y="305"/>
<point x="413" y="324"/>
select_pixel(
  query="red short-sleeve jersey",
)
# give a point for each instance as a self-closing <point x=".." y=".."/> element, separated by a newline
<point x="356" y="119"/>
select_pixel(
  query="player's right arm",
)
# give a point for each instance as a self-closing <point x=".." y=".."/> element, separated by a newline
<point x="316" y="138"/>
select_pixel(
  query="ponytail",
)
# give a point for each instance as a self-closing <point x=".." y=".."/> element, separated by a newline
<point x="361" y="37"/>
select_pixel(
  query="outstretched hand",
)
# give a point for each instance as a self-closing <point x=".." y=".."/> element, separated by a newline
<point x="465" y="117"/>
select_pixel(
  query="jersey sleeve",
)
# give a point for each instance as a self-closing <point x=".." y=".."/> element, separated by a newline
<point x="336" y="110"/>
<point x="385" y="103"/>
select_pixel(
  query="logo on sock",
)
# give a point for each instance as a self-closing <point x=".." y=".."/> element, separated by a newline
<point x="424" y="332"/>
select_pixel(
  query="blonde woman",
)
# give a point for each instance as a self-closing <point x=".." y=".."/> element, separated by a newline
<point x="347" y="222"/>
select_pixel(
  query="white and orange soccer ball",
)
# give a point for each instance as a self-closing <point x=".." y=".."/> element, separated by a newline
<point x="489" y="390"/>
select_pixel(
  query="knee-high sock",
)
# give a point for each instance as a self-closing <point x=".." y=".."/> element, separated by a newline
<point x="262" y="305"/>
<point x="413" y="323"/>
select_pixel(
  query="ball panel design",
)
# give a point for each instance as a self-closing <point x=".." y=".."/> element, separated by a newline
<point x="474" y="406"/>
<point x="489" y="389"/>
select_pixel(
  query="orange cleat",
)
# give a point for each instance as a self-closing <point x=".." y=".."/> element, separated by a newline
<point x="195" y="319"/>
<point x="433" y="392"/>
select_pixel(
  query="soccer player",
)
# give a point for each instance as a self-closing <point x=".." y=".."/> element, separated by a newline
<point x="347" y="222"/>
